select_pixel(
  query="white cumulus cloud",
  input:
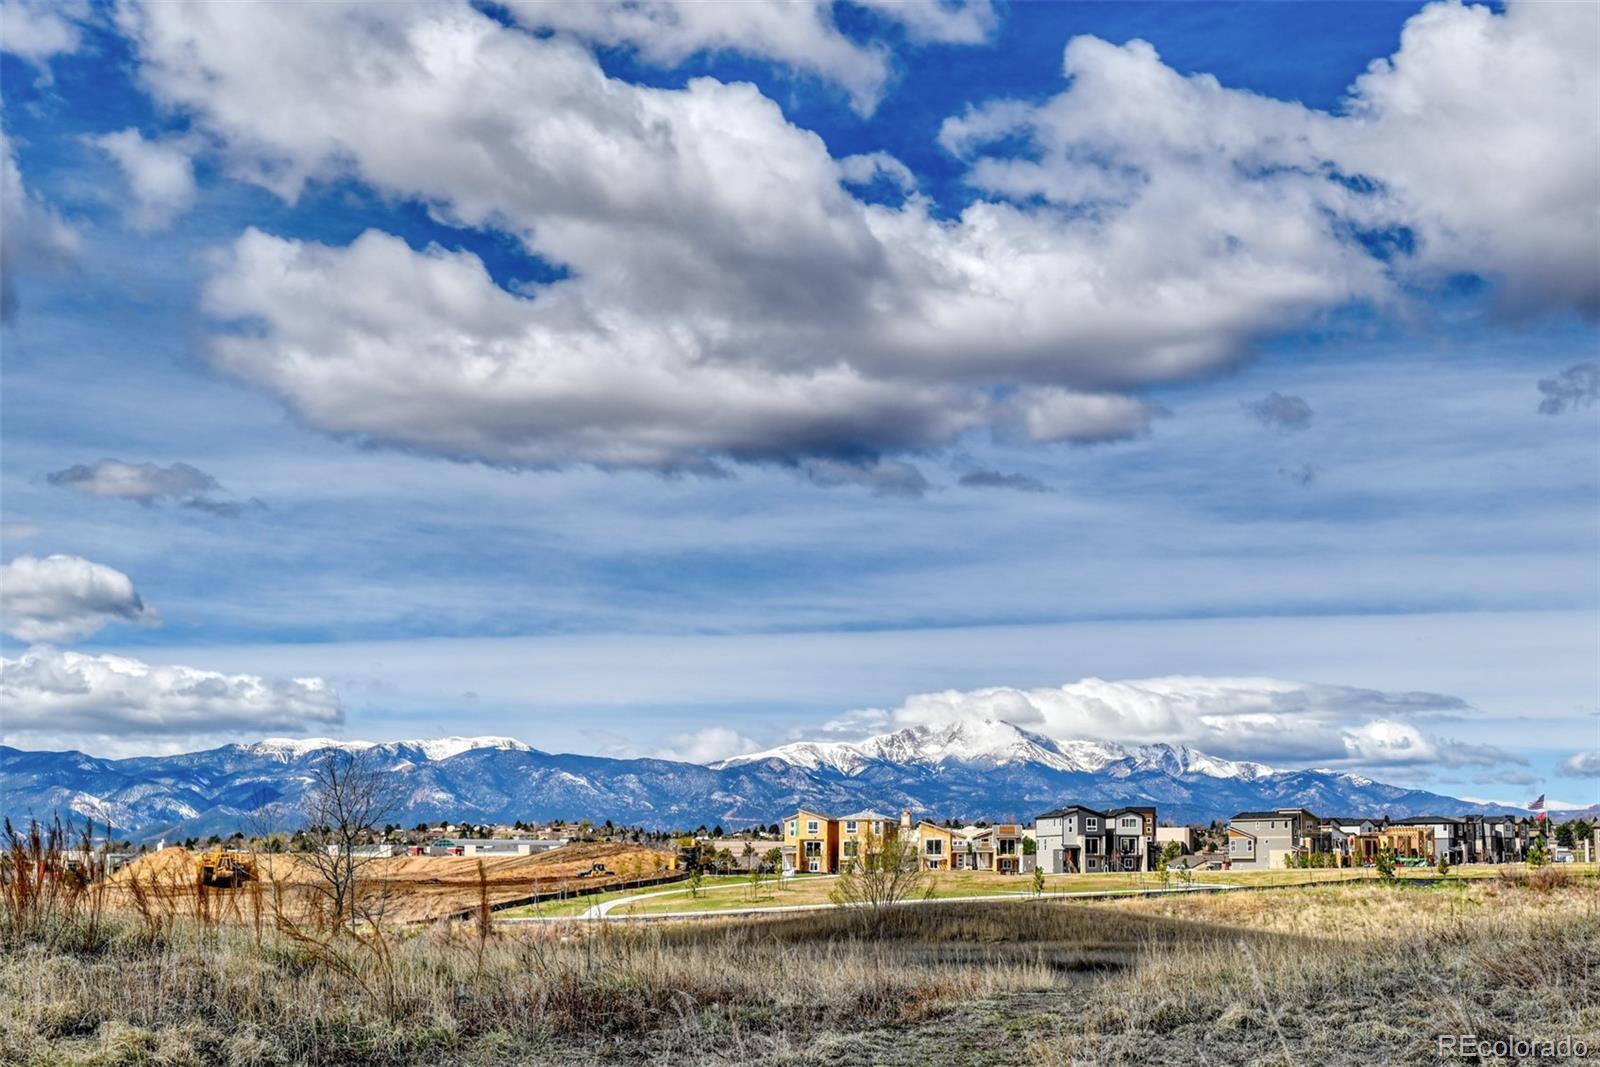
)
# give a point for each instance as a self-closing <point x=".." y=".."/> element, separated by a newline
<point x="67" y="698"/>
<point x="160" y="176"/>
<point x="1241" y="718"/>
<point x="801" y="34"/>
<point x="59" y="598"/>
<point x="728" y="297"/>
<point x="37" y="30"/>
<point x="1582" y="764"/>
<point x="707" y="745"/>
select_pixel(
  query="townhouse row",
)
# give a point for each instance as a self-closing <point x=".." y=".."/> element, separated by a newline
<point x="819" y="843"/>
<point x="1066" y="840"/>
<point x="1077" y="839"/>
<point x="1271" y="839"/>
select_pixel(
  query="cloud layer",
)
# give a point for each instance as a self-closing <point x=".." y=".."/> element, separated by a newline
<point x="51" y="694"/>
<point x="1242" y="718"/>
<point x="1576" y="387"/>
<point x="726" y="296"/>
<point x="60" y="598"/>
<point x="147" y="484"/>
<point x="1276" y="411"/>
<point x="1582" y="765"/>
<point x="33" y="237"/>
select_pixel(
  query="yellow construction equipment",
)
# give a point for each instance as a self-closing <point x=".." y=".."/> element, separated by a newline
<point x="225" y="868"/>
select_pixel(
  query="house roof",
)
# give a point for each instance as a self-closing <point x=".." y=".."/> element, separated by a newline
<point x="1256" y="816"/>
<point x="1143" y="809"/>
<point x="1425" y="820"/>
<point x="1057" y="813"/>
<point x="866" y="816"/>
<point x="813" y="811"/>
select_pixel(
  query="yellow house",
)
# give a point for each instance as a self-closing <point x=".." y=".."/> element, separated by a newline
<point x="811" y="842"/>
<point x="936" y="846"/>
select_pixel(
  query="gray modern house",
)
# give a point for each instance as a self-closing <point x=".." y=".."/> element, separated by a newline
<point x="1078" y="839"/>
<point x="1260" y="840"/>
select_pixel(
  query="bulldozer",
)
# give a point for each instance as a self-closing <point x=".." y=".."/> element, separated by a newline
<point x="225" y="868"/>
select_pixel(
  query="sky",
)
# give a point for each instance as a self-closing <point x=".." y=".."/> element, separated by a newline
<point x="641" y="379"/>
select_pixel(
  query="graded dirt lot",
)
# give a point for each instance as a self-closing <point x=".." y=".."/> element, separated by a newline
<point x="408" y="888"/>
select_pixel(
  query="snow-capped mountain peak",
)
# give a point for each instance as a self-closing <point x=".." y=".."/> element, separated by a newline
<point x="289" y="749"/>
<point x="995" y="742"/>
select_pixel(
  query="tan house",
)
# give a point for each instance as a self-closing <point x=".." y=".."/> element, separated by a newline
<point x="936" y="846"/>
<point x="856" y="830"/>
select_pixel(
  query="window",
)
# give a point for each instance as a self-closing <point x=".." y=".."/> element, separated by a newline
<point x="936" y="847"/>
<point x="1092" y="846"/>
<point x="850" y="849"/>
<point x="793" y="828"/>
<point x="1091" y="824"/>
<point x="850" y="827"/>
<point x="811" y="826"/>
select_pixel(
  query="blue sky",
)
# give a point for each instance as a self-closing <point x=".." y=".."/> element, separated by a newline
<point x="643" y="420"/>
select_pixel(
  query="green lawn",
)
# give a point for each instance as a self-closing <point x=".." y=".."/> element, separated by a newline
<point x="575" y="906"/>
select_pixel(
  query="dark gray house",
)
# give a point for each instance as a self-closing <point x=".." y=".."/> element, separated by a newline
<point x="1078" y="839"/>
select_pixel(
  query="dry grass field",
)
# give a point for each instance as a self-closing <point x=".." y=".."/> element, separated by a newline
<point x="1333" y="974"/>
<point x="736" y="893"/>
<point x="405" y="888"/>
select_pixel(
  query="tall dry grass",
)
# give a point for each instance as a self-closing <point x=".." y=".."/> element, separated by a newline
<point x="1325" y="975"/>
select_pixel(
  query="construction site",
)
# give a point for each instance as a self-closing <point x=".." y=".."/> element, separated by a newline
<point x="239" y="886"/>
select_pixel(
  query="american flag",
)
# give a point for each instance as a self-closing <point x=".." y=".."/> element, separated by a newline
<point x="1538" y="806"/>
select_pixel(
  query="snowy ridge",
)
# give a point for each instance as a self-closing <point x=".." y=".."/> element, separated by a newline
<point x="997" y="743"/>
<point x="289" y="749"/>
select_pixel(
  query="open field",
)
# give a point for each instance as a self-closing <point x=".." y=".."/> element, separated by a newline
<point x="1332" y="974"/>
<point x="404" y="888"/>
<point x="575" y="906"/>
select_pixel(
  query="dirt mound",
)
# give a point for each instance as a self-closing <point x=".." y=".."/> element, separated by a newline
<point x="171" y="864"/>
<point x="416" y="888"/>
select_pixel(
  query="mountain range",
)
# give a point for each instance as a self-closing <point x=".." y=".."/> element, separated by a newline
<point x="970" y="769"/>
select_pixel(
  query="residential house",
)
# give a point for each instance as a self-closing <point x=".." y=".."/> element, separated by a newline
<point x="1262" y="840"/>
<point x="1450" y="836"/>
<point x="1183" y="836"/>
<point x="936" y="846"/>
<point x="1009" y="849"/>
<point x="1497" y="838"/>
<point x="1132" y="841"/>
<point x="811" y="842"/>
<point x="973" y="849"/>
<point x="1079" y="839"/>
<point x="857" y="829"/>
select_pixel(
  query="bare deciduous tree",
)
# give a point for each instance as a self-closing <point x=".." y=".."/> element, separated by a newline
<point x="885" y="871"/>
<point x="350" y="796"/>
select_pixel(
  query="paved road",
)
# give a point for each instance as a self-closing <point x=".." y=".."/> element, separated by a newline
<point x="602" y="912"/>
